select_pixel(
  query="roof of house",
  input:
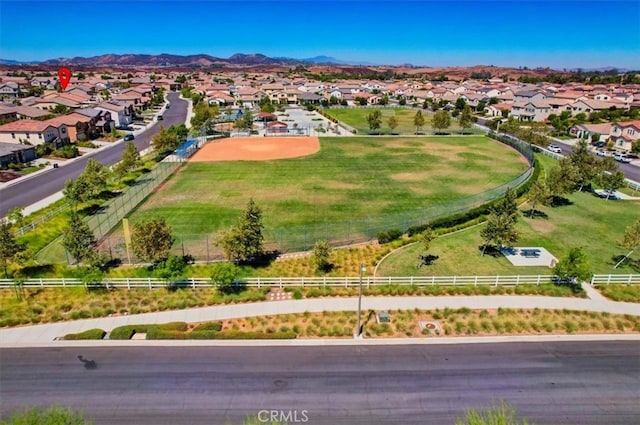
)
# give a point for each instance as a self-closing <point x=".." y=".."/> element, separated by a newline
<point x="68" y="119"/>
<point x="26" y="125"/>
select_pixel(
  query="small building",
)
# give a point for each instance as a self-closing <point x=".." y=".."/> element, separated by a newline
<point x="277" y="127"/>
<point x="13" y="153"/>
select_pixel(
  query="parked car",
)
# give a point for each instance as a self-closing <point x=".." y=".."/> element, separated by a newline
<point x="129" y="137"/>
<point x="600" y="144"/>
<point x="555" y="148"/>
<point x="601" y="152"/>
<point x="622" y="158"/>
<point x="168" y="105"/>
<point x="160" y="118"/>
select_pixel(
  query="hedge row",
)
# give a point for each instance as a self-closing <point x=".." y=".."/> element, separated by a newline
<point x="156" y="333"/>
<point x="126" y="332"/>
<point x="389" y="236"/>
<point x="90" y="334"/>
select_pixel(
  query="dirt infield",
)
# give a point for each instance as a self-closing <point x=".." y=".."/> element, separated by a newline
<point x="257" y="149"/>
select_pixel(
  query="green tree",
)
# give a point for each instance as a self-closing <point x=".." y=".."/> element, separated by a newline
<point x="266" y="105"/>
<point x="322" y="256"/>
<point x="499" y="231"/>
<point x="418" y="121"/>
<point x="55" y="415"/>
<point x="612" y="181"/>
<point x="164" y="141"/>
<point x="152" y="239"/>
<point x="461" y="103"/>
<point x="539" y="195"/>
<point x="587" y="165"/>
<point x="508" y="205"/>
<point x="130" y="160"/>
<point x="79" y="240"/>
<point x="465" y="118"/>
<point x="171" y="270"/>
<point x="495" y="415"/>
<point x="630" y="241"/>
<point x="244" y="241"/>
<point x="375" y="120"/>
<point x="574" y="268"/>
<point x="481" y="105"/>
<point x="16" y="216"/>
<point x="392" y="123"/>
<point x="76" y="192"/>
<point x="10" y="249"/>
<point x="224" y="274"/>
<point x="201" y="114"/>
<point x="563" y="179"/>
<point x="95" y="177"/>
<point x="441" y="120"/>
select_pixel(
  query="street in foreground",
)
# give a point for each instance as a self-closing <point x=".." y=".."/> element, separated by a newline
<point x="548" y="383"/>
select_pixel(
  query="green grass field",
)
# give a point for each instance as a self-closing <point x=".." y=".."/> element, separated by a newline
<point x="592" y="223"/>
<point x="349" y="179"/>
<point x="357" y="118"/>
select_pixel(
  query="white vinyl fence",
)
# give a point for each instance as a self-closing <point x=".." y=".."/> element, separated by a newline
<point x="605" y="279"/>
<point x="281" y="282"/>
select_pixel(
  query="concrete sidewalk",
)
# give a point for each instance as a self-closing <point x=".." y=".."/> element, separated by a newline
<point x="46" y="333"/>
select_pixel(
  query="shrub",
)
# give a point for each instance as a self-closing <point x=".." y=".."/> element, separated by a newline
<point x="158" y="333"/>
<point x="254" y="335"/>
<point x="208" y="326"/>
<point x="126" y="332"/>
<point x="389" y="235"/>
<point x="297" y="294"/>
<point x="90" y="334"/>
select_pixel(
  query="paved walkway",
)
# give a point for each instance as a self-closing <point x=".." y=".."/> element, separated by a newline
<point x="39" y="334"/>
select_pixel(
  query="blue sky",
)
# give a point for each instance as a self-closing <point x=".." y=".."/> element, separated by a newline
<point x="568" y="34"/>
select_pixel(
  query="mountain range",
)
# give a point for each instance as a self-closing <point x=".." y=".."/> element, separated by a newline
<point x="166" y="59"/>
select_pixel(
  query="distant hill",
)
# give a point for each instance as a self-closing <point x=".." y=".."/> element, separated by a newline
<point x="14" y="62"/>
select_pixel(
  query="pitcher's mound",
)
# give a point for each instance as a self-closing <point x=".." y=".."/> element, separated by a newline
<point x="257" y="149"/>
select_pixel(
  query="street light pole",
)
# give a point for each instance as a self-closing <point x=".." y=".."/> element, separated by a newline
<point x="359" y="328"/>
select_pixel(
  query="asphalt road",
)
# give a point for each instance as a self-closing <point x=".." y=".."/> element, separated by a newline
<point x="630" y="171"/>
<point x="549" y="383"/>
<point x="47" y="183"/>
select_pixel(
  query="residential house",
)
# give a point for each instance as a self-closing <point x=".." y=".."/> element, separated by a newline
<point x="499" y="109"/>
<point x="7" y="114"/>
<point x="537" y="111"/>
<point x="121" y="112"/>
<point x="13" y="153"/>
<point x="534" y="95"/>
<point x="586" y="131"/>
<point x="625" y="134"/>
<point x="34" y="132"/>
<point x="78" y="126"/>
<point x="9" y="91"/>
<point x="590" y="105"/>
<point x="100" y="123"/>
<point x="559" y="105"/>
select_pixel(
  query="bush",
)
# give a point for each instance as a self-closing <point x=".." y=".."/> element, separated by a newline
<point x="158" y="333"/>
<point x="127" y="331"/>
<point x="90" y="334"/>
<point x="208" y="326"/>
<point x="254" y="335"/>
<point x="389" y="236"/>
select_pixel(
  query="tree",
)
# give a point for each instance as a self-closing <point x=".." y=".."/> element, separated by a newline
<point x="630" y="241"/>
<point x="418" y="121"/>
<point x="508" y="205"/>
<point x="151" y="239"/>
<point x="171" y="269"/>
<point x="201" y="114"/>
<point x="79" y="240"/>
<point x="441" y="120"/>
<point x="16" y="216"/>
<point x="95" y="177"/>
<point x="499" y="231"/>
<point x="322" y="256"/>
<point x="574" y="268"/>
<point x="375" y="120"/>
<point x="163" y="141"/>
<point x="55" y="415"/>
<point x="563" y="179"/>
<point x="465" y="118"/>
<point x="587" y="165"/>
<point x="76" y="192"/>
<point x="9" y="247"/>
<point x="392" y="123"/>
<point x="539" y="195"/>
<point x="461" y="103"/>
<point x="481" y="105"/>
<point x="612" y="181"/>
<point x="224" y="275"/>
<point x="244" y="241"/>
<point x="130" y="160"/>
<point x="266" y="105"/>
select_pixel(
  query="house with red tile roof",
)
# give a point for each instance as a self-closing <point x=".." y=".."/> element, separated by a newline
<point x="34" y="132"/>
<point x="625" y="134"/>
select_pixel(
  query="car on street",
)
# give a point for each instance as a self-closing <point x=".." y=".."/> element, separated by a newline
<point x="601" y="152"/>
<point x="160" y="118"/>
<point x="129" y="137"/>
<point x="168" y="105"/>
<point x="555" y="148"/>
<point x="621" y="158"/>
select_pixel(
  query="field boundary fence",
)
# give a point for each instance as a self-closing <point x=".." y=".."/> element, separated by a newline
<point x="286" y="282"/>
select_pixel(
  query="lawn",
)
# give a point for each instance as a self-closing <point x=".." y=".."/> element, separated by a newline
<point x="357" y="118"/>
<point x="589" y="222"/>
<point x="350" y="180"/>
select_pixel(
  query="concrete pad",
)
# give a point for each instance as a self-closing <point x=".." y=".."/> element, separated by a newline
<point x="515" y="256"/>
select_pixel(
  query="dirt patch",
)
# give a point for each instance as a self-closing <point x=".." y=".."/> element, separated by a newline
<point x="257" y="149"/>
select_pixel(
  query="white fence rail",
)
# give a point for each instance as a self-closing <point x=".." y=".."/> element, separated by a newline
<point x="605" y="279"/>
<point x="281" y="282"/>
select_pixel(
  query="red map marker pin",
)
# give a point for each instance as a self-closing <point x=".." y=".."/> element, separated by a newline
<point x="64" y="75"/>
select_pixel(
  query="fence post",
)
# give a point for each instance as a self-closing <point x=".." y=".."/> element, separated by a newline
<point x="496" y="284"/>
<point x="475" y="280"/>
<point x="629" y="281"/>
<point x="593" y="279"/>
<point x="150" y="284"/>
<point x="193" y="283"/>
<point x="517" y="279"/>
<point x="128" y="284"/>
<point x="608" y="279"/>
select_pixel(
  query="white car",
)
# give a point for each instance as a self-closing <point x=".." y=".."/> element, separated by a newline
<point x="554" y="148"/>
<point x="600" y="152"/>
<point x="622" y="158"/>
